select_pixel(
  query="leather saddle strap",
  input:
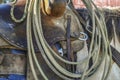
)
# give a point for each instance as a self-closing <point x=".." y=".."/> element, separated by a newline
<point x="68" y="36"/>
<point x="116" y="56"/>
<point x="12" y="64"/>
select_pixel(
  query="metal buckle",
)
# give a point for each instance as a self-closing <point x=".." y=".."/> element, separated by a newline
<point x="85" y="36"/>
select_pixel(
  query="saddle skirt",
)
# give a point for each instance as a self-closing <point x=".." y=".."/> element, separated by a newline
<point x="54" y="29"/>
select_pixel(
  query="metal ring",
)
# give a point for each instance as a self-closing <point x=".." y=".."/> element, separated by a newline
<point x="85" y="37"/>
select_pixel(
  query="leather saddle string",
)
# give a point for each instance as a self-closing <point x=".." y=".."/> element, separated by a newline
<point x="68" y="37"/>
<point x="70" y="55"/>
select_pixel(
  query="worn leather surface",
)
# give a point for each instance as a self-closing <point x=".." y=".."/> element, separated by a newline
<point x="3" y="43"/>
<point x="48" y="72"/>
<point x="116" y="56"/>
<point x="54" y="29"/>
<point x="15" y="35"/>
<point x="12" y="32"/>
<point x="109" y="16"/>
<point x="12" y="63"/>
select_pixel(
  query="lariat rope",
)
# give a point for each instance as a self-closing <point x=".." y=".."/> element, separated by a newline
<point x="99" y="46"/>
<point x="12" y="12"/>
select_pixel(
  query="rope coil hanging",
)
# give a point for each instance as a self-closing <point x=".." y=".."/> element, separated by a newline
<point x="99" y="38"/>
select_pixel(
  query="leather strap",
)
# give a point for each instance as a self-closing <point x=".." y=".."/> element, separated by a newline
<point x="12" y="64"/>
<point x="115" y="56"/>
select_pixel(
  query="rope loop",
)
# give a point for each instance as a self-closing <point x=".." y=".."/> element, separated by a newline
<point x="12" y="12"/>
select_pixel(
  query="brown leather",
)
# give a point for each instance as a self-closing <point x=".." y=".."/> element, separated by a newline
<point x="1" y="58"/>
<point x="53" y="28"/>
<point x="12" y="64"/>
<point x="115" y="56"/>
<point x="48" y="72"/>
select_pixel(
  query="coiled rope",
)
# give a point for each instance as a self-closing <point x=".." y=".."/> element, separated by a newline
<point x="99" y="46"/>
